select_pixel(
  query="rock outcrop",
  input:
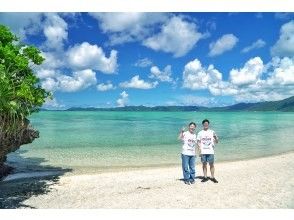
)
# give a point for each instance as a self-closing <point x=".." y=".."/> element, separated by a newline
<point x="10" y="142"/>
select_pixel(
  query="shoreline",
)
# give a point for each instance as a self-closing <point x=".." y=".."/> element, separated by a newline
<point x="256" y="183"/>
<point x="75" y="171"/>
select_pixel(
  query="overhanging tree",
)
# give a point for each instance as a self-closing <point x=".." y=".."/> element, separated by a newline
<point x="20" y="91"/>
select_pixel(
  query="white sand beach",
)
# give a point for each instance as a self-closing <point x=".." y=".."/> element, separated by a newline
<point x="257" y="183"/>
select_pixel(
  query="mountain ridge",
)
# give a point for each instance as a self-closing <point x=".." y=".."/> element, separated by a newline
<point x="285" y="105"/>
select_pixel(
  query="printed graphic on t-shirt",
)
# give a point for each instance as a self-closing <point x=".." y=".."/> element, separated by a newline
<point x="206" y="141"/>
<point x="191" y="143"/>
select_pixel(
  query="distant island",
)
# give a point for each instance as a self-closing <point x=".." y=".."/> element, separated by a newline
<point x="285" y="105"/>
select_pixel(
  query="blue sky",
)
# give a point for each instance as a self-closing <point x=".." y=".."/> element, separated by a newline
<point x="119" y="59"/>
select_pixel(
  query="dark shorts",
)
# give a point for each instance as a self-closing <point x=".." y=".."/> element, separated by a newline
<point x="207" y="158"/>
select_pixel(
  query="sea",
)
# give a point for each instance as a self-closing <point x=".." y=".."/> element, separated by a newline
<point x="102" y="141"/>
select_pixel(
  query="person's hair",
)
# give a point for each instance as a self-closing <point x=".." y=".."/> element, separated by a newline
<point x="192" y="123"/>
<point x="205" y="120"/>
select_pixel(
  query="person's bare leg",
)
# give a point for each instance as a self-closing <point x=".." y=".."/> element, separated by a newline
<point x="204" y="167"/>
<point x="212" y="173"/>
<point x="212" y="170"/>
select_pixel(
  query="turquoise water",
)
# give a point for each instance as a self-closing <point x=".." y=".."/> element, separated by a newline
<point x="100" y="140"/>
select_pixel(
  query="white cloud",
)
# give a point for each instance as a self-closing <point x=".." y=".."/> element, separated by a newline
<point x="138" y="83"/>
<point x="50" y="84"/>
<point x="193" y="100"/>
<point x="223" y="44"/>
<point x="250" y="73"/>
<point x="128" y="26"/>
<point x="277" y="82"/>
<point x="52" y="104"/>
<point x="177" y="37"/>
<point x="252" y="83"/>
<point x="263" y="95"/>
<point x="163" y="76"/>
<point x="145" y="62"/>
<point x="122" y="101"/>
<point x="257" y="44"/>
<point x="78" y="81"/>
<point x="53" y="60"/>
<point x="45" y="73"/>
<point x="283" y="71"/>
<point x="105" y="87"/>
<point x="197" y="77"/>
<point x="223" y="88"/>
<point x="285" y="45"/>
<point x="85" y="55"/>
<point x="55" y="31"/>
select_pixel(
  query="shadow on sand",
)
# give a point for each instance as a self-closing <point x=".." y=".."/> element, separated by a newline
<point x="29" y="178"/>
<point x="196" y="177"/>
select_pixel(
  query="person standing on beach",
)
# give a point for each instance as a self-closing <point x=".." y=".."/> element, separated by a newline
<point x="206" y="140"/>
<point x="188" y="153"/>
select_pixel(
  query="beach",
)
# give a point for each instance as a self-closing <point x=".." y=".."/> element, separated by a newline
<point x="256" y="183"/>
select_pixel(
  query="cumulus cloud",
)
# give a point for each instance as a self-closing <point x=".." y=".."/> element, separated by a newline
<point x="78" y="81"/>
<point x="53" y="60"/>
<point x="55" y="31"/>
<point x="105" y="87"/>
<point x="257" y="44"/>
<point x="50" y="84"/>
<point x="163" y="76"/>
<point x="52" y="104"/>
<point x="177" y="37"/>
<point x="127" y="27"/>
<point x="85" y="55"/>
<point x="138" y="83"/>
<point x="223" y="88"/>
<point x="145" y="62"/>
<point x="250" y="73"/>
<point x="223" y="44"/>
<point x="196" y="77"/>
<point x="252" y="83"/>
<point x="198" y="100"/>
<point x="277" y="81"/>
<point x="285" y="45"/>
<point x="45" y="73"/>
<point x="282" y="71"/>
<point x="122" y="101"/>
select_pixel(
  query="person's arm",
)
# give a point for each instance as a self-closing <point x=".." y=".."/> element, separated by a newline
<point x="198" y="150"/>
<point x="181" y="135"/>
<point x="215" y="138"/>
<point x="198" y="143"/>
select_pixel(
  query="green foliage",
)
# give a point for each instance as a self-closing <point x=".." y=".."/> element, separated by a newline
<point x="20" y="92"/>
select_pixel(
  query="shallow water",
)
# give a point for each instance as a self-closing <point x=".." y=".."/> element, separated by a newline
<point x="99" y="141"/>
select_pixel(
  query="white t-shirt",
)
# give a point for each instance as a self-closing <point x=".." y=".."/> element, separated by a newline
<point x="206" y="141"/>
<point x="189" y="143"/>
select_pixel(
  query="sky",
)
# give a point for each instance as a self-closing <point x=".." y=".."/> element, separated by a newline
<point x="125" y="59"/>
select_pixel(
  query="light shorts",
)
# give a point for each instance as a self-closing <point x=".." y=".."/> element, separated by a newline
<point x="207" y="158"/>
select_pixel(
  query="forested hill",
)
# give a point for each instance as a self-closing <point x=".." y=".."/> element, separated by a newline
<point x="285" y="105"/>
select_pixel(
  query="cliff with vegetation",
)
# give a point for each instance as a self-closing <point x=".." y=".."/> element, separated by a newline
<point x="9" y="142"/>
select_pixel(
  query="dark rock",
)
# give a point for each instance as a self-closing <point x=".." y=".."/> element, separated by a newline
<point x="24" y="133"/>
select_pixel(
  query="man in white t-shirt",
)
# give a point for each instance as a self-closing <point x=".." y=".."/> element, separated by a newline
<point x="188" y="153"/>
<point x="206" y="140"/>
